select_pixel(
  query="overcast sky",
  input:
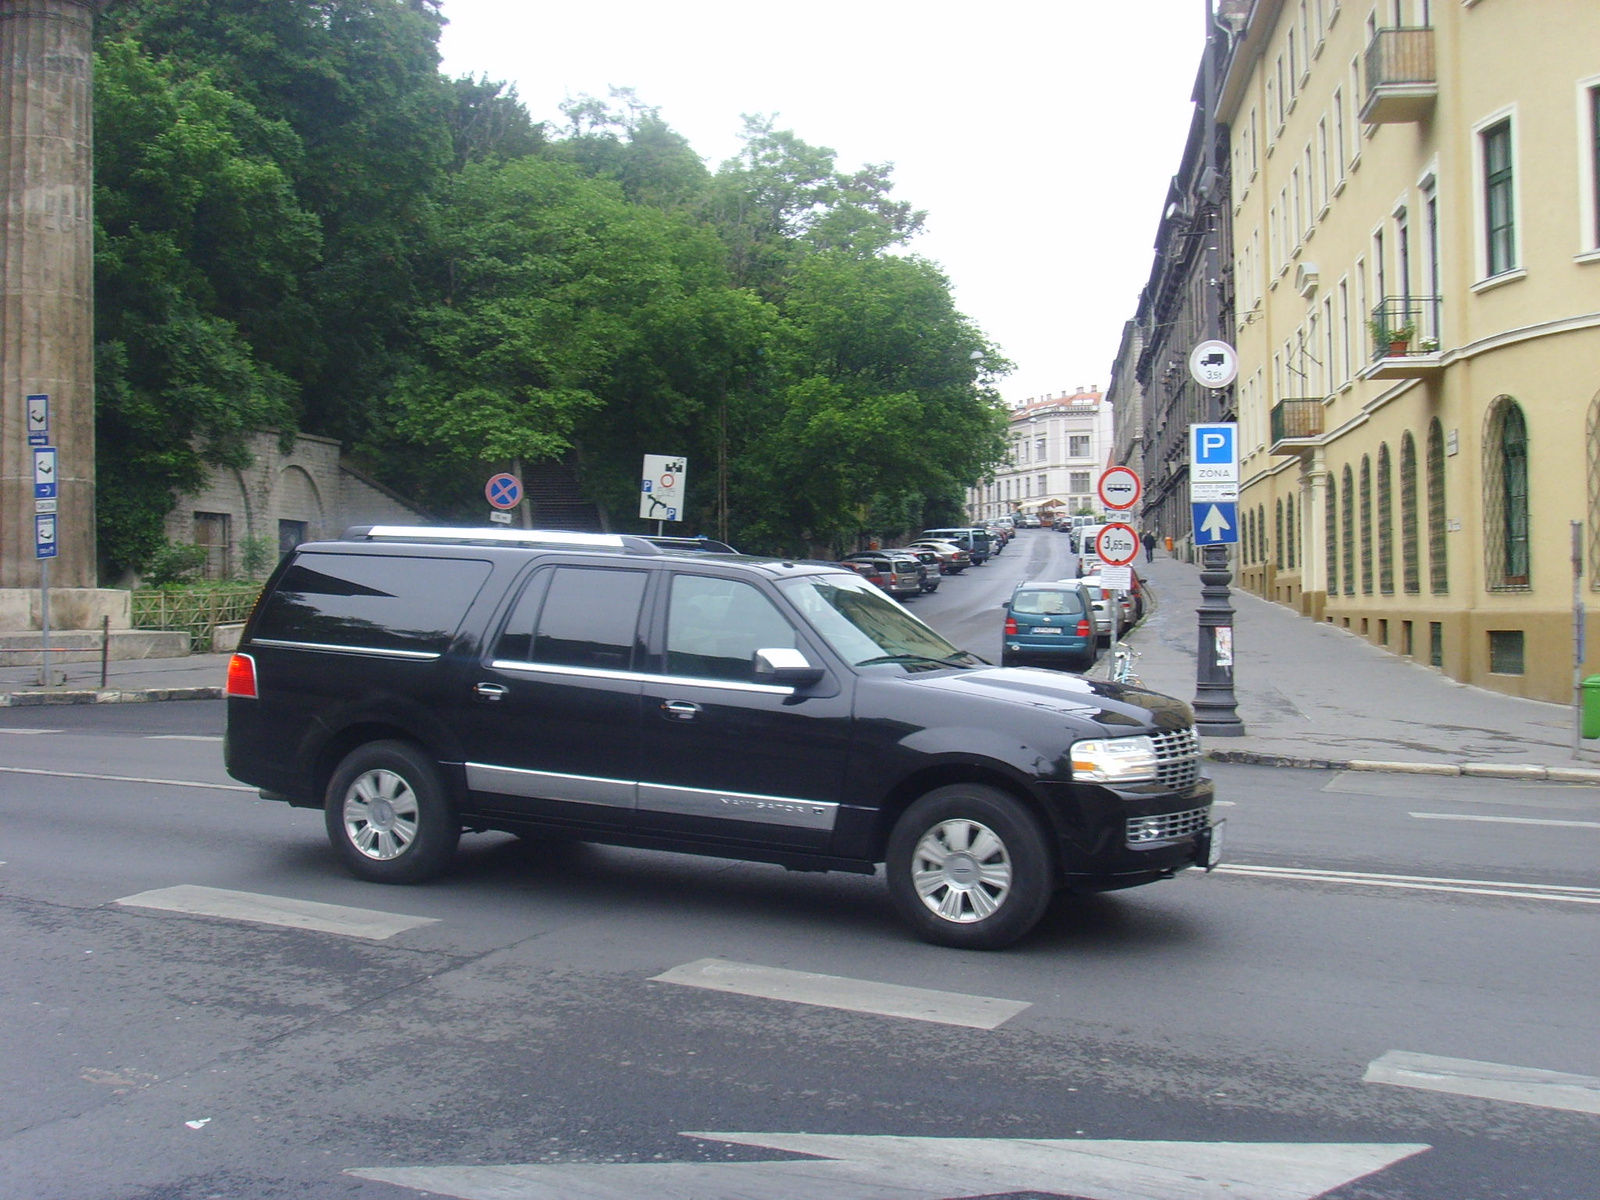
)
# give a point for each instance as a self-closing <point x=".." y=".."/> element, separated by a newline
<point x="1039" y="136"/>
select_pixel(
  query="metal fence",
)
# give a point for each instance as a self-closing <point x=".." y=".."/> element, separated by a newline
<point x="198" y="611"/>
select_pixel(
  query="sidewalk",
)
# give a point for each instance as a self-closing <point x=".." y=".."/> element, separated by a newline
<point x="196" y="677"/>
<point x="1312" y="695"/>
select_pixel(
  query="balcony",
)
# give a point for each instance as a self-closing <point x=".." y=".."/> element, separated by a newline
<point x="1296" y="424"/>
<point x="1405" y="338"/>
<point x="1402" y="81"/>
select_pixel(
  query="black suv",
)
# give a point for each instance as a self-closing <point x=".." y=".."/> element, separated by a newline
<point x="417" y="682"/>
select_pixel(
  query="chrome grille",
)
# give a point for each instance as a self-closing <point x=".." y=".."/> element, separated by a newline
<point x="1145" y="833"/>
<point x="1177" y="757"/>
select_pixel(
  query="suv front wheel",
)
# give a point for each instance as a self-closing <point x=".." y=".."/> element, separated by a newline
<point x="387" y="814"/>
<point x="968" y="866"/>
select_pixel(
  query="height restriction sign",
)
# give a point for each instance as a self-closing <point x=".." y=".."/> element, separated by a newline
<point x="1117" y="545"/>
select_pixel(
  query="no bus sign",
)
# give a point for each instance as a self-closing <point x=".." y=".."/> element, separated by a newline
<point x="1119" y="487"/>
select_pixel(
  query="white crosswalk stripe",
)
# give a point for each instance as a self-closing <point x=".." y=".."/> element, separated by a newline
<point x="193" y="900"/>
<point x="1487" y="1081"/>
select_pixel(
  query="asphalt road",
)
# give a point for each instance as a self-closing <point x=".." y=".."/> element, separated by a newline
<point x="593" y="1022"/>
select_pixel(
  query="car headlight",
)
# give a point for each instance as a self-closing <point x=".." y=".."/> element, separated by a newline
<point x="1115" y="760"/>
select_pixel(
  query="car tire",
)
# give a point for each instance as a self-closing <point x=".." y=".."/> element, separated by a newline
<point x="969" y="866"/>
<point x="1085" y="662"/>
<point x="388" y="816"/>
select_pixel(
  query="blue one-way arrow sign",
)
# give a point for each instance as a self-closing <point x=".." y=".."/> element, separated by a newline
<point x="1216" y="522"/>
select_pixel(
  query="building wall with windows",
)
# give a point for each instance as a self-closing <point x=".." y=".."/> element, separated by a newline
<point x="1059" y="446"/>
<point x="1416" y="235"/>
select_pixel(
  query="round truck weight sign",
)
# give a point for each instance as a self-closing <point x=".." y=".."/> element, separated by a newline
<point x="1117" y="545"/>
<point x="1214" y="364"/>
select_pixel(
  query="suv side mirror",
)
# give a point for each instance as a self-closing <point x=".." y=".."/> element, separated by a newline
<point x="782" y="665"/>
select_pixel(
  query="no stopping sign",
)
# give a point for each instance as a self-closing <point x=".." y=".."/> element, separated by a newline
<point x="1117" y="545"/>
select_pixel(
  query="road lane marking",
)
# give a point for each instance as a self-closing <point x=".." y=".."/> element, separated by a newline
<point x="850" y="1167"/>
<point x="27" y="732"/>
<point x="837" y="991"/>
<point x="182" y="737"/>
<point x="1421" y="883"/>
<point x="196" y="901"/>
<point x="194" y="783"/>
<point x="1486" y="1080"/>
<point x="1427" y="816"/>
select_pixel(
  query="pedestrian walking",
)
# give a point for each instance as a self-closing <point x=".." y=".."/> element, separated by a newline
<point x="1149" y="545"/>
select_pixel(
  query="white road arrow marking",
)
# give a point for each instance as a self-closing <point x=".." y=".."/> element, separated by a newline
<point x="910" y="1168"/>
<point x="1214" y="524"/>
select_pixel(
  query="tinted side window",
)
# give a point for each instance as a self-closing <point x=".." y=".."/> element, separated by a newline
<point x="714" y="626"/>
<point x="589" y="618"/>
<point x="371" y="601"/>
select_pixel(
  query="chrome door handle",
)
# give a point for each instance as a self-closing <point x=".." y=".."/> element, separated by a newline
<point x="679" y="710"/>
<point x="490" y="691"/>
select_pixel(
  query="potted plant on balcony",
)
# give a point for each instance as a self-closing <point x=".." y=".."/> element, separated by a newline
<point x="1396" y="337"/>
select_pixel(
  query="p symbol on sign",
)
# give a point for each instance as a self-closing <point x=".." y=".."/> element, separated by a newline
<point x="1211" y="443"/>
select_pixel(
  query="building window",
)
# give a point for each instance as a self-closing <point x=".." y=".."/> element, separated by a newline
<point x="1594" y="493"/>
<point x="1348" y="513"/>
<point x="1331" y="535"/>
<point x="1078" y="445"/>
<point x="1505" y="652"/>
<point x="1594" y="167"/>
<point x="1500" y="230"/>
<point x="1080" y="481"/>
<point x="1044" y="484"/>
<point x="1505" y="496"/>
<point x="1438" y="565"/>
<point x="1410" y="575"/>
<point x="1385" y="523"/>
<point x="1290" y="551"/>
<point x="1366" y="525"/>
<point x="1039" y="449"/>
<point x="1436" y="643"/>
<point x="213" y="531"/>
<point x="1277" y="528"/>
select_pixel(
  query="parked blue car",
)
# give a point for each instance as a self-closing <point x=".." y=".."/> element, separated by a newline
<point x="1050" y="624"/>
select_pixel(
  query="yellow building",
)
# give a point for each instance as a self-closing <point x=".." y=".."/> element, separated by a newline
<point x="1416" y="232"/>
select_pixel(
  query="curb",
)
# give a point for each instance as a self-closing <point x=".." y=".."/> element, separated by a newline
<point x="1477" y="770"/>
<point x="109" y="696"/>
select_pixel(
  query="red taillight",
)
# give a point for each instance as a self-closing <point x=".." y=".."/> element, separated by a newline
<point x="1083" y="628"/>
<point x="1011" y="627"/>
<point x="242" y="677"/>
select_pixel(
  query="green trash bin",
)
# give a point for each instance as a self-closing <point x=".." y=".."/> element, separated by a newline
<point x="1591" y="707"/>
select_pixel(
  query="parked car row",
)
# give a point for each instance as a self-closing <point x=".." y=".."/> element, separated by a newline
<point x="906" y="571"/>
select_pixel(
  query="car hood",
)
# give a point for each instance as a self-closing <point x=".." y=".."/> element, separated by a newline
<point x="1114" y="705"/>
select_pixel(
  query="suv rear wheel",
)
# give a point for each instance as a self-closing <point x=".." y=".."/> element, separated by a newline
<point x="968" y="866"/>
<point x="387" y="814"/>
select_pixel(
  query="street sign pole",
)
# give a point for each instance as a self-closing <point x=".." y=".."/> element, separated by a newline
<point x="1214" y="475"/>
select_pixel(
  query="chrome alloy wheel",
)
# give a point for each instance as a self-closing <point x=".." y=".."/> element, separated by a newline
<point x="381" y="813"/>
<point x="961" y="870"/>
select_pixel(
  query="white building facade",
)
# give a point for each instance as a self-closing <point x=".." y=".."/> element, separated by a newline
<point x="1059" y="446"/>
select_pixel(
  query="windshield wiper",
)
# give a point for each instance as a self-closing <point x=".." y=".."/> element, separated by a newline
<point x="946" y="661"/>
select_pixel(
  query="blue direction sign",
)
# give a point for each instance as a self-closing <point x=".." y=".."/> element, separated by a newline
<point x="44" y="473"/>
<point x="44" y="535"/>
<point x="38" y="420"/>
<point x="504" y="491"/>
<point x="1215" y="522"/>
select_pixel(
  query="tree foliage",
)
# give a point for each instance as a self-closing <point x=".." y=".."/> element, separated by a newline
<point x="303" y="224"/>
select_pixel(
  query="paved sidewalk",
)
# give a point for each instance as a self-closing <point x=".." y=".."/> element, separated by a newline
<point x="196" y="677"/>
<point x="1313" y="695"/>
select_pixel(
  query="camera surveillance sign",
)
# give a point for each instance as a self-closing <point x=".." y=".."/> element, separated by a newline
<point x="661" y="491"/>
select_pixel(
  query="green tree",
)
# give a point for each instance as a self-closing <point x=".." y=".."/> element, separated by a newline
<point x="199" y="246"/>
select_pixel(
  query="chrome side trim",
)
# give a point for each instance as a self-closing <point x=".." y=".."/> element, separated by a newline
<point x="739" y="806"/>
<point x="770" y="689"/>
<point x="551" y="785"/>
<point x="370" y="651"/>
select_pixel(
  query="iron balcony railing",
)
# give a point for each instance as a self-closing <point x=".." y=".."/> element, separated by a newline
<point x="1297" y="419"/>
<point x="1404" y="325"/>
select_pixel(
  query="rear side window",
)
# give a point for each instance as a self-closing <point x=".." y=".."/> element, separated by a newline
<point x="372" y="602"/>
<point x="1048" y="602"/>
<point x="589" y="618"/>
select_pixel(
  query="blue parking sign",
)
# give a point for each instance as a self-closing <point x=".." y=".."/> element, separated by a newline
<point x="1214" y="444"/>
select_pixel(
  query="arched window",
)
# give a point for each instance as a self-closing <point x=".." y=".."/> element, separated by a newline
<point x="1263" y="543"/>
<point x="1331" y="534"/>
<point x="1594" y="493"/>
<point x="1438" y="564"/>
<point x="1505" y="496"/>
<point x="1366" y="525"/>
<point x="1277" y="529"/>
<point x="1292" y="549"/>
<point x="1385" y="523"/>
<point x="1410" y="570"/>
<point x="1348" y="513"/>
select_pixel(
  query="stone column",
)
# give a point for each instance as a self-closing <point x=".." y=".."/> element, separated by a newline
<point x="47" y="278"/>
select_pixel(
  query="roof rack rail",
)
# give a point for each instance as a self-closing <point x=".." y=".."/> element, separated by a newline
<point x="551" y="538"/>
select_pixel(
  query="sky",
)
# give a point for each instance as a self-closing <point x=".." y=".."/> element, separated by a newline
<point x="1039" y="135"/>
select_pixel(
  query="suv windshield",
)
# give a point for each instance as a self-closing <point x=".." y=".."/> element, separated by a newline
<point x="864" y="627"/>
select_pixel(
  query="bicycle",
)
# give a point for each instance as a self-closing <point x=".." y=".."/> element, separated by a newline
<point x="1122" y="660"/>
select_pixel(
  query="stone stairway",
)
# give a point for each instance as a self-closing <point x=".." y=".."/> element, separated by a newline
<point x="557" y="498"/>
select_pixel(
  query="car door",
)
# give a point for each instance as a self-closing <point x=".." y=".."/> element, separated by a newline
<point x="551" y="721"/>
<point x="725" y="757"/>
